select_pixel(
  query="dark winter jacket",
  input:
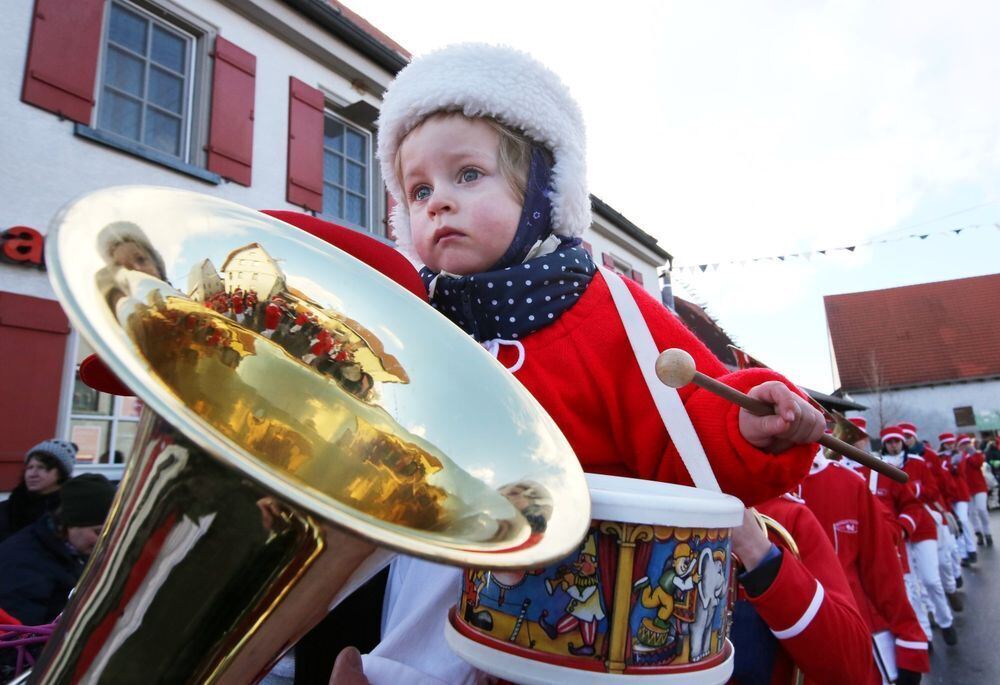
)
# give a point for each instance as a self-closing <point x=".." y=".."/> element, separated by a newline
<point x="37" y="572"/>
<point x="23" y="508"/>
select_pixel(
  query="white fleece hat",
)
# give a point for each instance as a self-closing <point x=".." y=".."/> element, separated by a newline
<point x="498" y="82"/>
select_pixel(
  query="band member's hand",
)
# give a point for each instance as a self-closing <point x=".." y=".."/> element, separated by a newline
<point x="794" y="422"/>
<point x="750" y="543"/>
<point x="348" y="669"/>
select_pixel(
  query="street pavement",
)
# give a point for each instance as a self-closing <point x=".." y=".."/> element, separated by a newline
<point x="975" y="660"/>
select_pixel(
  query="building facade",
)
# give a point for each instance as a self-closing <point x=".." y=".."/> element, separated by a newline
<point x="265" y="103"/>
<point x="927" y="353"/>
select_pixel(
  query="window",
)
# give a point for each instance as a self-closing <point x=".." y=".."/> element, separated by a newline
<point x="103" y="426"/>
<point x="347" y="171"/>
<point x="146" y="86"/>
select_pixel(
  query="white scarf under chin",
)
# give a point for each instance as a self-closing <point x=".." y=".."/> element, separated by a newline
<point x="896" y="460"/>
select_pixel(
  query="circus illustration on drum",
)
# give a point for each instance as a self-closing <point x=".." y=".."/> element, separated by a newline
<point x="678" y="602"/>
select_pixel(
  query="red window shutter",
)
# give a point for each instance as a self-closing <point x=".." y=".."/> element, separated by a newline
<point x="608" y="260"/>
<point x="589" y="248"/>
<point x="230" y="137"/>
<point x="62" y="57"/>
<point x="637" y="276"/>
<point x="305" y="145"/>
<point x="32" y="352"/>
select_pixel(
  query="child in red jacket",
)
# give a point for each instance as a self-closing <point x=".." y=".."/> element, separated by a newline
<point x="483" y="150"/>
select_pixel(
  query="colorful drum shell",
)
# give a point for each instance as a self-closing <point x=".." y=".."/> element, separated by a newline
<point x="648" y="594"/>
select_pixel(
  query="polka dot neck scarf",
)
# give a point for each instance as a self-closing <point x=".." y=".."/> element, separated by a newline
<point x="514" y="301"/>
<point x="538" y="278"/>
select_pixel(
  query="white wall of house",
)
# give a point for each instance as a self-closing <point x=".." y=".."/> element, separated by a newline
<point x="46" y="165"/>
<point x="605" y="237"/>
<point x="931" y="407"/>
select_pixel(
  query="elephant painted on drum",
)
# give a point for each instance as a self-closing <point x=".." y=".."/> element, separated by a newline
<point x="711" y="591"/>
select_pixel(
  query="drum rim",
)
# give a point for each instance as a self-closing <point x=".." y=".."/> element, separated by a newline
<point x="519" y="669"/>
<point x="633" y="500"/>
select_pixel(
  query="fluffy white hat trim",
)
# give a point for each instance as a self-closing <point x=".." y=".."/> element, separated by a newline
<point x="499" y="82"/>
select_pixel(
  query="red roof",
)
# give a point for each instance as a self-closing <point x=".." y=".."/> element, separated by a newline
<point x="916" y="334"/>
<point x="368" y="28"/>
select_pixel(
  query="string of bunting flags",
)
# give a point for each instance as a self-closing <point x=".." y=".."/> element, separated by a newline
<point x="808" y="254"/>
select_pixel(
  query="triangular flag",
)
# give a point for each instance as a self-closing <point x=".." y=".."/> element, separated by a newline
<point x="781" y="259"/>
<point x="957" y="230"/>
<point x="822" y="252"/>
<point x="924" y="236"/>
<point x="851" y="248"/>
<point x="703" y="267"/>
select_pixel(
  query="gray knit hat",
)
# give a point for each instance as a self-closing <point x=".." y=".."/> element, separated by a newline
<point x="63" y="452"/>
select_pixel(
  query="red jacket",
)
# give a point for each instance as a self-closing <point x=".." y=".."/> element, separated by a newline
<point x="959" y="484"/>
<point x="972" y="465"/>
<point x="950" y="491"/>
<point x="810" y="609"/>
<point x="853" y="521"/>
<point x="934" y="492"/>
<point x="582" y="370"/>
<point x="901" y="501"/>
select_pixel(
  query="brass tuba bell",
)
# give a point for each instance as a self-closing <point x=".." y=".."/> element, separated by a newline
<point x="285" y="447"/>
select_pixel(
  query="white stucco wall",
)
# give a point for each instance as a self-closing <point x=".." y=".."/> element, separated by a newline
<point x="930" y="408"/>
<point x="45" y="165"/>
<point x="603" y="237"/>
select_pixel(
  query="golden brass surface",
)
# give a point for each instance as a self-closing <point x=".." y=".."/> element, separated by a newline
<point x="303" y="413"/>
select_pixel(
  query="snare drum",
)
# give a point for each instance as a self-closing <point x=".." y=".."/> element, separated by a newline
<point x="646" y="596"/>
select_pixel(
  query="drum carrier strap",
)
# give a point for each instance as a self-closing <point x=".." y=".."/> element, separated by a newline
<point x="667" y="400"/>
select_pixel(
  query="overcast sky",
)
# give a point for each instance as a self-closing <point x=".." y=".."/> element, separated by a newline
<point x="734" y="130"/>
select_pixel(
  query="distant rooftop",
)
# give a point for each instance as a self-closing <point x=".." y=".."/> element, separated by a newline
<point x="917" y="334"/>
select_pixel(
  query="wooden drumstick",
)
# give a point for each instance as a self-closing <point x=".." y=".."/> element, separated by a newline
<point x="676" y="368"/>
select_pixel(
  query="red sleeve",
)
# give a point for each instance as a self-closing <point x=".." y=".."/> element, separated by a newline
<point x="908" y="507"/>
<point x="741" y="469"/>
<point x="882" y="581"/>
<point x="810" y="609"/>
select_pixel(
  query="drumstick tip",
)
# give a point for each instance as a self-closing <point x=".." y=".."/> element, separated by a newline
<point x="675" y="368"/>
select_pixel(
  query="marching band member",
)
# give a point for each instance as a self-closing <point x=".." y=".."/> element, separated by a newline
<point x="797" y="587"/>
<point x="854" y="522"/>
<point x="960" y="500"/>
<point x="972" y="468"/>
<point x="920" y="464"/>
<point x="947" y="489"/>
<point x="921" y="537"/>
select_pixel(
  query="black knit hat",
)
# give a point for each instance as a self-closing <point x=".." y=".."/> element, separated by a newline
<point x="85" y="500"/>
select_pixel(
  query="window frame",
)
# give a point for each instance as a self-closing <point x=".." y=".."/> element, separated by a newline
<point x="198" y="91"/>
<point x="113" y="419"/>
<point x="373" y="208"/>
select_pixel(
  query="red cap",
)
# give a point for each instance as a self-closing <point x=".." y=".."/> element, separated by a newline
<point x="965" y="439"/>
<point x="908" y="428"/>
<point x="891" y="433"/>
<point x="859" y="421"/>
<point x="946" y="437"/>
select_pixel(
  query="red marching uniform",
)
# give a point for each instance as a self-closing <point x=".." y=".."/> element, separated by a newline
<point x="855" y="524"/>
<point x="810" y="609"/>
<point x="972" y="468"/>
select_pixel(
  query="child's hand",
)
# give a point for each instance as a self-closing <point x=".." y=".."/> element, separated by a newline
<point x="794" y="422"/>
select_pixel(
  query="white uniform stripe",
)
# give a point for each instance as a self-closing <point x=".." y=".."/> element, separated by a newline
<point x="806" y="618"/>
<point x="908" y="644"/>
<point x="908" y="518"/>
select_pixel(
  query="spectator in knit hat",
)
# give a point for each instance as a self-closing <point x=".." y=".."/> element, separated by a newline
<point x="40" y="564"/>
<point x="47" y="465"/>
